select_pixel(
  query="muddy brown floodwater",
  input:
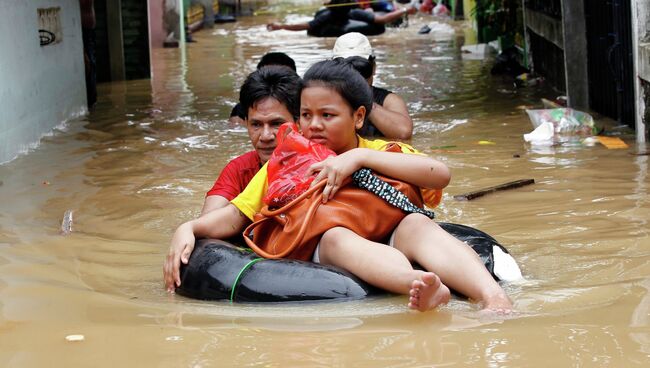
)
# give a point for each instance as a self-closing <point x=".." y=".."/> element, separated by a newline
<point x="140" y="163"/>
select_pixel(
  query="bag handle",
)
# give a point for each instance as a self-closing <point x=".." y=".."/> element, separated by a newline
<point x="364" y="178"/>
<point x="276" y="213"/>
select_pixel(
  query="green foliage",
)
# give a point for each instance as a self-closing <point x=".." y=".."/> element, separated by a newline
<point x="500" y="15"/>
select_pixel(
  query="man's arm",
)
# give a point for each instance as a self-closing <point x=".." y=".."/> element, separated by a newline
<point x="220" y="224"/>
<point x="233" y="179"/>
<point x="213" y="202"/>
<point x="392" y="119"/>
<point x="394" y="15"/>
<point x="288" y="27"/>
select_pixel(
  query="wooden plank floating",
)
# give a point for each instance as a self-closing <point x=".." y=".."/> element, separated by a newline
<point x="479" y="193"/>
<point x="612" y="142"/>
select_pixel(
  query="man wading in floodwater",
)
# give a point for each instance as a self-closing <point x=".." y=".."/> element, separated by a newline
<point x="330" y="21"/>
<point x="270" y="96"/>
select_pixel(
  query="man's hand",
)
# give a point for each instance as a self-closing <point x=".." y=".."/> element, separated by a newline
<point x="179" y="251"/>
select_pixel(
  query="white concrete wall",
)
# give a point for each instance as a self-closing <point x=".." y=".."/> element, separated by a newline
<point x="643" y="37"/>
<point x="643" y="8"/>
<point x="641" y="46"/>
<point x="40" y="87"/>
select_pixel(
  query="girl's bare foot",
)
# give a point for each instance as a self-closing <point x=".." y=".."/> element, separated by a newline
<point x="428" y="292"/>
<point x="497" y="303"/>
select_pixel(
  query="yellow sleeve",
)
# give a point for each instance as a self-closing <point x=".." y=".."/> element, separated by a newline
<point x="382" y="145"/>
<point x="249" y="202"/>
<point x="431" y="197"/>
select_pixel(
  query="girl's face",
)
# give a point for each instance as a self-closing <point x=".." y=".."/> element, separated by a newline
<point x="326" y="118"/>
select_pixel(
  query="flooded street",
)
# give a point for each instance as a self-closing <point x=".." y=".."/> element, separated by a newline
<point x="141" y="162"/>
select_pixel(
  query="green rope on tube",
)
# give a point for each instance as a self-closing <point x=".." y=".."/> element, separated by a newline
<point x="239" y="275"/>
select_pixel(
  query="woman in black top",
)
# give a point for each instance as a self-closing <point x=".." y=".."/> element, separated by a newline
<point x="389" y="116"/>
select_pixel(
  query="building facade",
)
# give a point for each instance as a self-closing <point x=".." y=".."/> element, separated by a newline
<point x="42" y="77"/>
<point x="595" y="52"/>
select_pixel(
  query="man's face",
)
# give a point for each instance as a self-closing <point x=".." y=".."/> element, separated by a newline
<point x="264" y="119"/>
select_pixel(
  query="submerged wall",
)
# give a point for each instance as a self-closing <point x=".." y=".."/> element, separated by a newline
<point x="641" y="17"/>
<point x="40" y="86"/>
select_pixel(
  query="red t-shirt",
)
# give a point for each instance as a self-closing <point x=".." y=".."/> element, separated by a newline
<point x="236" y="175"/>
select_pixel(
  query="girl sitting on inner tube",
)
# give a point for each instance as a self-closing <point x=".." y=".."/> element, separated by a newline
<point x="334" y="101"/>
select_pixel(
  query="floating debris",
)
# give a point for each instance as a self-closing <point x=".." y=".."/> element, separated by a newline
<point x="442" y="147"/>
<point x="479" y="193"/>
<point x="75" y="338"/>
<point x="590" y="141"/>
<point x="447" y="151"/>
<point x="612" y="142"/>
<point x="524" y="107"/>
<point x="66" y="223"/>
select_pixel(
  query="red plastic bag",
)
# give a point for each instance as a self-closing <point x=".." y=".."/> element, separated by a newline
<point x="288" y="164"/>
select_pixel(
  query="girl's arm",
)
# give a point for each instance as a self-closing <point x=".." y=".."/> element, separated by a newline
<point x="419" y="170"/>
<point x="220" y="224"/>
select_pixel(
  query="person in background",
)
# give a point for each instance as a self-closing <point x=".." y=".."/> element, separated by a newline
<point x="437" y="8"/>
<point x="237" y="115"/>
<point x="88" y="23"/>
<point x="377" y="5"/>
<point x="389" y="116"/>
<point x="440" y="10"/>
<point x="270" y="96"/>
<point x="329" y="22"/>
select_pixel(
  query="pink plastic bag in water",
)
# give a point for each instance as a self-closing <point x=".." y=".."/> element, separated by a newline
<point x="288" y="164"/>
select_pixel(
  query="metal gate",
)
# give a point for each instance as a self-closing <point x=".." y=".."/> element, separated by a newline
<point x="610" y="60"/>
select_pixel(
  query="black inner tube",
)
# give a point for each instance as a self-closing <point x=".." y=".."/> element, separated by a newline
<point x="218" y="270"/>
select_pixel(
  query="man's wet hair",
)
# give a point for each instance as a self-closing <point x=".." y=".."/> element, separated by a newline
<point x="362" y="65"/>
<point x="278" y="82"/>
<point x="341" y="76"/>
<point x="277" y="58"/>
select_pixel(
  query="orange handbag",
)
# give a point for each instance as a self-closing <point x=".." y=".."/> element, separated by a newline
<point x="293" y="230"/>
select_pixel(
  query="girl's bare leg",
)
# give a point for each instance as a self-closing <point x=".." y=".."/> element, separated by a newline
<point x="458" y="266"/>
<point x="382" y="266"/>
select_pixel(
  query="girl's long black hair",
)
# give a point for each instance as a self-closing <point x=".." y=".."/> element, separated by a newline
<point x="341" y="76"/>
